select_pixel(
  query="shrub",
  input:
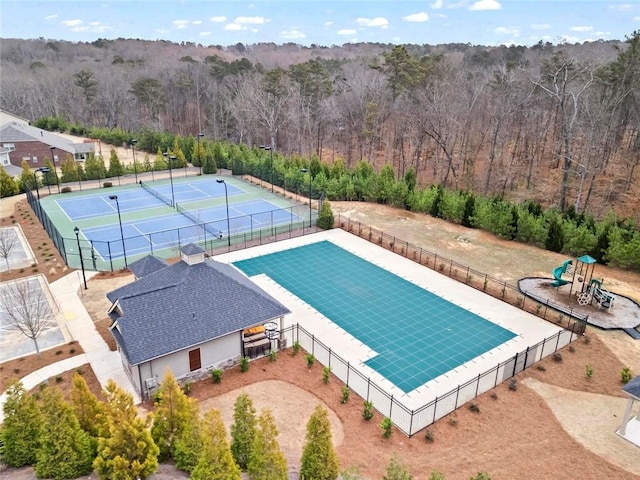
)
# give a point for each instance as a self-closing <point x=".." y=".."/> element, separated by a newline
<point x="296" y="348"/>
<point x="626" y="375"/>
<point x="186" y="387"/>
<point x="59" y="379"/>
<point x="474" y="407"/>
<point x="453" y="421"/>
<point x="58" y="352"/>
<point x="326" y="371"/>
<point x="587" y="340"/>
<point x="216" y="376"/>
<point x="589" y="371"/>
<point x="244" y="364"/>
<point x="72" y="351"/>
<point x="273" y="354"/>
<point x="513" y="385"/>
<point x="542" y="368"/>
<point x="345" y="394"/>
<point x="428" y="436"/>
<point x="310" y="359"/>
<point x="557" y="357"/>
<point x="494" y="395"/>
<point x="367" y="410"/>
<point x="65" y="190"/>
<point x="387" y="427"/>
<point x="572" y="349"/>
<point x="481" y="476"/>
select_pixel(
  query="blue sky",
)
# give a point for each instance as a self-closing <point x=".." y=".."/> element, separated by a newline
<point x="483" y="22"/>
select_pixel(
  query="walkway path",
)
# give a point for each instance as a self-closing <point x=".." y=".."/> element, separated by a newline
<point x="105" y="363"/>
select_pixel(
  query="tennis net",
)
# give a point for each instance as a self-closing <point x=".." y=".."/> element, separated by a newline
<point x="156" y="194"/>
<point x="194" y="219"/>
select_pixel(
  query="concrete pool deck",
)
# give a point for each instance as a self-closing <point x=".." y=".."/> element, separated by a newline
<point x="528" y="328"/>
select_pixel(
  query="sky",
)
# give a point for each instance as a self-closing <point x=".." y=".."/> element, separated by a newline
<point x="307" y="22"/>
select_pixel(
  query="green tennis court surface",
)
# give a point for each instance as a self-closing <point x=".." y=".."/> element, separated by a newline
<point x="418" y="335"/>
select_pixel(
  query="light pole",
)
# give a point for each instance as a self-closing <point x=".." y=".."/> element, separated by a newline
<point x="124" y="251"/>
<point x="53" y="161"/>
<point x="84" y="278"/>
<point x="304" y="170"/>
<point x="35" y="177"/>
<point x="133" y="150"/>
<point x="170" y="158"/>
<point x="198" y="137"/>
<point x="226" y="198"/>
<point x="270" y="149"/>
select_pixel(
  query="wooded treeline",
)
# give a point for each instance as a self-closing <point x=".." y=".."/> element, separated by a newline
<point x="552" y="123"/>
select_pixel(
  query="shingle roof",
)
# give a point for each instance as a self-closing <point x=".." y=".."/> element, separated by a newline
<point x="192" y="249"/>
<point x="147" y="265"/>
<point x="633" y="387"/>
<point x="15" y="133"/>
<point x="184" y="305"/>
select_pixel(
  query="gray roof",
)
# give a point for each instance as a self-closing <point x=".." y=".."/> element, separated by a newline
<point x="633" y="387"/>
<point x="192" y="249"/>
<point x="147" y="265"/>
<point x="12" y="170"/>
<point x="183" y="305"/>
<point x="16" y="133"/>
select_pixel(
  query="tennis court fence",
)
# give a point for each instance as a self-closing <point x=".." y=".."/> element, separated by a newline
<point x="410" y="421"/>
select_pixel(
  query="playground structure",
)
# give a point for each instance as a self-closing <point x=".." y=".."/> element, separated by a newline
<point x="588" y="290"/>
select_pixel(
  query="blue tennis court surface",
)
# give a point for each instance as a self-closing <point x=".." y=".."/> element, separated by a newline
<point x="417" y="334"/>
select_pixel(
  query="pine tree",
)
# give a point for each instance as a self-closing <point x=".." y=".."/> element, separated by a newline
<point x="243" y="430"/>
<point x="69" y="171"/>
<point x="188" y="444"/>
<point x="396" y="471"/>
<point x="160" y="163"/>
<point x="8" y="186"/>
<point x="65" y="449"/>
<point x="128" y="451"/>
<point x="26" y="177"/>
<point x="266" y="461"/>
<point x="88" y="409"/>
<point x="115" y="166"/>
<point x="51" y="177"/>
<point x="325" y="217"/>
<point x="216" y="461"/>
<point x="319" y="459"/>
<point x="181" y="160"/>
<point x="20" y="432"/>
<point x="146" y="163"/>
<point x="172" y="411"/>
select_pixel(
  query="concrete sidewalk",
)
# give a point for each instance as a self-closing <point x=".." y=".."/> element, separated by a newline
<point x="105" y="363"/>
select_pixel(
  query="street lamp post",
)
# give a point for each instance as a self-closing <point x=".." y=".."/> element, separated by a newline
<point x="124" y="251"/>
<point x="304" y="170"/>
<point x="84" y="277"/>
<point x="270" y="149"/>
<point x="226" y="198"/>
<point x="198" y="137"/>
<point x="35" y="177"/>
<point x="133" y="150"/>
<point x="170" y="159"/>
<point x="53" y="161"/>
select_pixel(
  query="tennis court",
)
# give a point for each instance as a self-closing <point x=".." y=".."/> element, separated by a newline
<point x="417" y="335"/>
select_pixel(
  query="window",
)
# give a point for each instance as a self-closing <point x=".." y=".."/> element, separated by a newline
<point x="9" y="146"/>
<point x="195" y="363"/>
<point x="35" y="159"/>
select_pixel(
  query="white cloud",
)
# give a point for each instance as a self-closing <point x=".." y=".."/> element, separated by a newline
<point x="328" y="24"/>
<point x="180" y="24"/>
<point x="601" y="34"/>
<point x="292" y="35"/>
<point x="205" y="34"/>
<point x="197" y="22"/>
<point x="72" y="23"/>
<point x="636" y="19"/>
<point x="50" y="17"/>
<point x="540" y="26"/>
<point x="513" y="31"/>
<point x="234" y="27"/>
<point x="582" y="28"/>
<point x="486" y="5"/>
<point x="218" y="19"/>
<point x="436" y="5"/>
<point x="624" y="7"/>
<point x="92" y="27"/>
<point x="373" y="22"/>
<point x="346" y="31"/>
<point x="250" y="20"/>
<point x="416" y="17"/>
<point x="569" y="39"/>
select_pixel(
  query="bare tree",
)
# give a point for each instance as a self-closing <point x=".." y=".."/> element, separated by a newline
<point x="27" y="310"/>
<point x="8" y="241"/>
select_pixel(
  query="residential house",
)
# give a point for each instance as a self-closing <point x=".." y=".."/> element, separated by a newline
<point x="24" y="142"/>
<point x="192" y="316"/>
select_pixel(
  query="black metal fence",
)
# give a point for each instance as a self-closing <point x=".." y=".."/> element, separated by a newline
<point x="408" y="420"/>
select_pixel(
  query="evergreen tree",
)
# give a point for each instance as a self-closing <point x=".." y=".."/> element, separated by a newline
<point x="266" y="460"/>
<point x="51" y="177"/>
<point x="160" y="162"/>
<point x="26" y="177"/>
<point x="20" y="432"/>
<point x="325" y="217"/>
<point x="396" y="471"/>
<point x="146" y="163"/>
<point x="181" y="160"/>
<point x="197" y="154"/>
<point x="216" y="461"/>
<point x="94" y="168"/>
<point x="555" y="236"/>
<point x="172" y="411"/>
<point x="8" y="186"/>
<point x="209" y="166"/>
<point x="68" y="170"/>
<point x="243" y="430"/>
<point x="81" y="173"/>
<point x="88" y="409"/>
<point x="115" y="166"/>
<point x="319" y="459"/>
<point x="128" y="451"/>
<point x="65" y="449"/>
<point x="188" y="444"/>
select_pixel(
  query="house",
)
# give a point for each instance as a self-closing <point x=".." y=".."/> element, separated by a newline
<point x="12" y="170"/>
<point x="24" y="142"/>
<point x="630" y="427"/>
<point x="192" y="316"/>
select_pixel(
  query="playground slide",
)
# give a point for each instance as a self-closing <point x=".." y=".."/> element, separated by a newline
<point x="558" y="272"/>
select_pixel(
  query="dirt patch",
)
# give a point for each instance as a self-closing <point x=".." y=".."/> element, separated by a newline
<point x="64" y="381"/>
